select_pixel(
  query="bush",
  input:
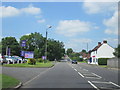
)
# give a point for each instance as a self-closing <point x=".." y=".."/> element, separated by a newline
<point x="102" y="61"/>
<point x="31" y="61"/>
<point x="77" y="58"/>
<point x="40" y="60"/>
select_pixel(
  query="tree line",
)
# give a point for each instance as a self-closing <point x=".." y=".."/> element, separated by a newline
<point x="34" y="42"/>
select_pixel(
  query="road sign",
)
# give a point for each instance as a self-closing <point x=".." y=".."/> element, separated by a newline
<point x="44" y="57"/>
<point x="29" y="54"/>
<point x="22" y="53"/>
<point x="23" y="44"/>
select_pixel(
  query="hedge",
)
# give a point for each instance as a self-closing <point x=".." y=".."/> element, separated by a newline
<point x="102" y="61"/>
<point x="31" y="61"/>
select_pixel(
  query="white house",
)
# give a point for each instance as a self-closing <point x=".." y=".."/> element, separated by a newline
<point x="103" y="50"/>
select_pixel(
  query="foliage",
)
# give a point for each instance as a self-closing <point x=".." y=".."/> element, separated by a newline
<point x="102" y="61"/>
<point x="40" y="60"/>
<point x="11" y="43"/>
<point x="31" y="61"/>
<point x="55" y="50"/>
<point x="117" y="51"/>
<point x="36" y="42"/>
<point x="69" y="51"/>
<point x="77" y="58"/>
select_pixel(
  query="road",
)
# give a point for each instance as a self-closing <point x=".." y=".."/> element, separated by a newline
<point x="66" y="75"/>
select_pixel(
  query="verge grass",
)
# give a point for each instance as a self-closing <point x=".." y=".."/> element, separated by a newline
<point x="8" y="81"/>
<point x="37" y="65"/>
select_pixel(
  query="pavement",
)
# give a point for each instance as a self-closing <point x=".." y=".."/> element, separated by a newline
<point x="66" y="75"/>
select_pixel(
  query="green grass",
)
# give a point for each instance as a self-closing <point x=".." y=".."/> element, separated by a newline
<point x="105" y="66"/>
<point x="8" y="82"/>
<point x="38" y="65"/>
<point x="82" y="61"/>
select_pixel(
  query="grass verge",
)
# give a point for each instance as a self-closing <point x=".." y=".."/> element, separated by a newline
<point x="38" y="65"/>
<point x="105" y="66"/>
<point x="8" y="82"/>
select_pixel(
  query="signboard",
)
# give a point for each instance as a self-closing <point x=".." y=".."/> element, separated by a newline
<point x="43" y="57"/>
<point x="23" y="44"/>
<point x="22" y="53"/>
<point x="29" y="54"/>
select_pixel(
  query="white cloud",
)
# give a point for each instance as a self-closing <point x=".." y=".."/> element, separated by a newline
<point x="99" y="7"/>
<point x="112" y="41"/>
<point x="10" y="11"/>
<point x="73" y="27"/>
<point x="112" y="24"/>
<point x="41" y="21"/>
<point x="77" y="44"/>
<point x="31" y="10"/>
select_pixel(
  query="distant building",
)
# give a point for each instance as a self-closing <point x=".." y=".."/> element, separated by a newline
<point x="103" y="50"/>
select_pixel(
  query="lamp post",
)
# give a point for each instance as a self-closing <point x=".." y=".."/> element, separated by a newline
<point x="46" y="42"/>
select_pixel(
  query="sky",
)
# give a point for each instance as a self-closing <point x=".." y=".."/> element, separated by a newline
<point x="76" y="24"/>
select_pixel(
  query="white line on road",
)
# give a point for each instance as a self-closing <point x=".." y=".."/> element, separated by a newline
<point x="37" y="76"/>
<point x="80" y="74"/>
<point x="97" y="75"/>
<point x="75" y="69"/>
<point x="115" y="84"/>
<point x="93" y="85"/>
<point x="85" y="69"/>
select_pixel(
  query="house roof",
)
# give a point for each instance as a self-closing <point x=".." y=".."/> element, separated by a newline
<point x="96" y="48"/>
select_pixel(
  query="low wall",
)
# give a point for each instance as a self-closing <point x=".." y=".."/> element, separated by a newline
<point x="113" y="63"/>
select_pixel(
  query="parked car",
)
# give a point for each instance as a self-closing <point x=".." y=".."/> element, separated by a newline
<point x="74" y="61"/>
<point x="2" y="59"/>
<point x="9" y="60"/>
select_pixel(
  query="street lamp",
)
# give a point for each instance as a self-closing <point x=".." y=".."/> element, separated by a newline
<point x="46" y="42"/>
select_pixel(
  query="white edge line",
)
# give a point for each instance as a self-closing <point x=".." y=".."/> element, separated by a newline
<point x="93" y="85"/>
<point x="37" y="76"/>
<point x="115" y="84"/>
<point x="97" y="75"/>
<point x="80" y="74"/>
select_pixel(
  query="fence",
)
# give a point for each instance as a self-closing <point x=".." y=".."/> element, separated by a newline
<point x="113" y="63"/>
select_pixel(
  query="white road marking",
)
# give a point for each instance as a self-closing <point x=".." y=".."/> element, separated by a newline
<point x="80" y="74"/>
<point x="97" y="75"/>
<point x="115" y="84"/>
<point x="75" y="69"/>
<point x="93" y="85"/>
<point x="85" y="69"/>
<point x="37" y="76"/>
<point x="92" y="77"/>
<point x="101" y="82"/>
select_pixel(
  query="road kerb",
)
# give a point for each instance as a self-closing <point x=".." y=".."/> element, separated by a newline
<point x="18" y="86"/>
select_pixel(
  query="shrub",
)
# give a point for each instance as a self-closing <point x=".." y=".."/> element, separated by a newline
<point x="31" y="61"/>
<point x="40" y="60"/>
<point x="102" y="61"/>
<point x="77" y="58"/>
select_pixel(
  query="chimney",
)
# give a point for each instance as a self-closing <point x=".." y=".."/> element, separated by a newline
<point x="99" y="43"/>
<point x="105" y="41"/>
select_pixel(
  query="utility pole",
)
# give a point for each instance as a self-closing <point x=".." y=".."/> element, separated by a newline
<point x="6" y="50"/>
<point x="46" y="43"/>
<point x="87" y="47"/>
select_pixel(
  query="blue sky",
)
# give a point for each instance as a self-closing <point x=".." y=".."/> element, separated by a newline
<point x="74" y="23"/>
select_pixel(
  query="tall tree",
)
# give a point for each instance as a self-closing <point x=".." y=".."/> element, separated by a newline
<point x="69" y="51"/>
<point x="117" y="51"/>
<point x="55" y="49"/>
<point x="12" y="43"/>
<point x="34" y="42"/>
